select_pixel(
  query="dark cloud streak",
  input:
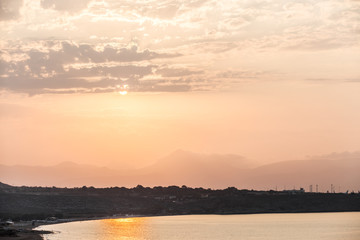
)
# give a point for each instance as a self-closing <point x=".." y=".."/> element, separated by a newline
<point x="74" y="68"/>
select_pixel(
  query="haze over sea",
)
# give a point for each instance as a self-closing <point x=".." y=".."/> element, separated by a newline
<point x="315" y="226"/>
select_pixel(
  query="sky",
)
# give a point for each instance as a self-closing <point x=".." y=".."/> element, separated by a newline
<point x="124" y="83"/>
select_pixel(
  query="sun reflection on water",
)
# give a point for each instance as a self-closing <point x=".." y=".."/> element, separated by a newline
<point x="125" y="228"/>
<point x="125" y="220"/>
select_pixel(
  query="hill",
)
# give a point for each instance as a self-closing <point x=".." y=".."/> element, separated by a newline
<point x="197" y="170"/>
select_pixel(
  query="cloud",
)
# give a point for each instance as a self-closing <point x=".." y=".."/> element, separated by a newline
<point x="239" y="74"/>
<point x="217" y="41"/>
<point x="160" y="87"/>
<point x="10" y="9"/>
<point x="70" y="6"/>
<point x="337" y="156"/>
<point x="159" y="9"/>
<point x="69" y="53"/>
<point x="176" y="72"/>
<point x="36" y="85"/>
<point x="67" y="66"/>
<point x="60" y="85"/>
<point x="334" y="80"/>
<point x="54" y="61"/>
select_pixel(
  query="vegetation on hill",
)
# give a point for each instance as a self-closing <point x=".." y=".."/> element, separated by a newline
<point x="29" y="203"/>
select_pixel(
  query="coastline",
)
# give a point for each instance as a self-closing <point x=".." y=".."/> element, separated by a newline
<point x="23" y="231"/>
<point x="27" y="231"/>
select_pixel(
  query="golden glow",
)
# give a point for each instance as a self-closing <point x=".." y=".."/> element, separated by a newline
<point x="125" y="228"/>
<point x="123" y="92"/>
<point x="125" y="220"/>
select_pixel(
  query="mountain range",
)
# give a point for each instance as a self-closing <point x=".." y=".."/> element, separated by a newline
<point x="199" y="170"/>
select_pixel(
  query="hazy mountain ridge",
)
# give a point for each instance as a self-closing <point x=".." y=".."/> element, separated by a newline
<point x="202" y="170"/>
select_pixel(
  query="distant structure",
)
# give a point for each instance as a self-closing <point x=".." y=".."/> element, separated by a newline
<point x="294" y="191"/>
<point x="317" y="188"/>
<point x="310" y="188"/>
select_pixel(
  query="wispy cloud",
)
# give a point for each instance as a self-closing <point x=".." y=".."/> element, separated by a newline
<point x="206" y="42"/>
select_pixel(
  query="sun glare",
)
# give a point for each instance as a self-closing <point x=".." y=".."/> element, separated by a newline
<point x="124" y="220"/>
<point x="123" y="92"/>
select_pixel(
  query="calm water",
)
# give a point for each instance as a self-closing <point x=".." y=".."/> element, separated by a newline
<point x="313" y="226"/>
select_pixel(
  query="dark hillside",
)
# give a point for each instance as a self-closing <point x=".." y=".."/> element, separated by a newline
<point x="28" y="203"/>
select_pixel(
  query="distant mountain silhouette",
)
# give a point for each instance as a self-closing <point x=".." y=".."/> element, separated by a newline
<point x="198" y="170"/>
<point x="343" y="173"/>
<point x="187" y="168"/>
<point x="63" y="174"/>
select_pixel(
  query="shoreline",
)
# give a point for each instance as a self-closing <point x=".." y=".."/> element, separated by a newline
<point x="29" y="231"/>
<point x="25" y="230"/>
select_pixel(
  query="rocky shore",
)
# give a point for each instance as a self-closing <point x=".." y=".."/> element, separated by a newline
<point x="21" y="231"/>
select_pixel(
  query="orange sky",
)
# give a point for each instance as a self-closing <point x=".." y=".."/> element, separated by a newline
<point x="271" y="122"/>
<point x="268" y="80"/>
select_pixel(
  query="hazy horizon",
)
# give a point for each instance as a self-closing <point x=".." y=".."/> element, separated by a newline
<point x="334" y="172"/>
<point x="251" y="163"/>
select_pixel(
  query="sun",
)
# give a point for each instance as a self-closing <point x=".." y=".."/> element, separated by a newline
<point x="123" y="92"/>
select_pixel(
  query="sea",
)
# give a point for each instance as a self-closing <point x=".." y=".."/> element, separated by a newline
<point x="291" y="226"/>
